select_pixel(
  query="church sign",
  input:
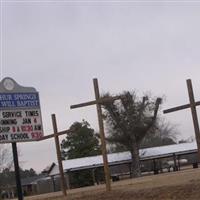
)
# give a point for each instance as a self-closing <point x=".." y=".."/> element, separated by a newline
<point x="20" y="114"/>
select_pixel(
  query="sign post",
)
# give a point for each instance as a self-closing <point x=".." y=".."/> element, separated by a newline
<point x="20" y="119"/>
<point x="17" y="171"/>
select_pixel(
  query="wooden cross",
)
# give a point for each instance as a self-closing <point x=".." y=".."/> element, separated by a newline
<point x="192" y="105"/>
<point x="98" y="103"/>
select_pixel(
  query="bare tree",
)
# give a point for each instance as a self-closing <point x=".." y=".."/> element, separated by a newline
<point x="164" y="134"/>
<point x="129" y="120"/>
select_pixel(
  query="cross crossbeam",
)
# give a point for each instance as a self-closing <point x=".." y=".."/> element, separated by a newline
<point x="177" y="108"/>
<point x="54" y="134"/>
<point x="192" y="106"/>
<point x="98" y="101"/>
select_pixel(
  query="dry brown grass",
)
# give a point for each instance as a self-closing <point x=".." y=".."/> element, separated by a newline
<point x="180" y="185"/>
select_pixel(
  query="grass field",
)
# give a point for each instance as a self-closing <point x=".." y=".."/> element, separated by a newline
<point x="180" y="185"/>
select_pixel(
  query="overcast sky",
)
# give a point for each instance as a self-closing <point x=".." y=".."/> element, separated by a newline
<point x="59" y="47"/>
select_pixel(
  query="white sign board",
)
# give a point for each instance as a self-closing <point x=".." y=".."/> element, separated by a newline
<point x="20" y="114"/>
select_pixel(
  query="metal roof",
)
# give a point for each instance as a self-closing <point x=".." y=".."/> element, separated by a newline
<point x="123" y="157"/>
<point x="31" y="180"/>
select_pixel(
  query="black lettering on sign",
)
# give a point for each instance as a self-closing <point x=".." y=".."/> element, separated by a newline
<point x="37" y="128"/>
<point x="26" y="121"/>
<point x="3" y="137"/>
<point x="8" y="121"/>
<point x="19" y="136"/>
<point x="11" y="114"/>
<point x="32" y="113"/>
<point x="4" y="129"/>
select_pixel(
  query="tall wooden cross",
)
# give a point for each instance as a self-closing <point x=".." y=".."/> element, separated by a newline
<point x="98" y="103"/>
<point x="56" y="135"/>
<point x="192" y="105"/>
